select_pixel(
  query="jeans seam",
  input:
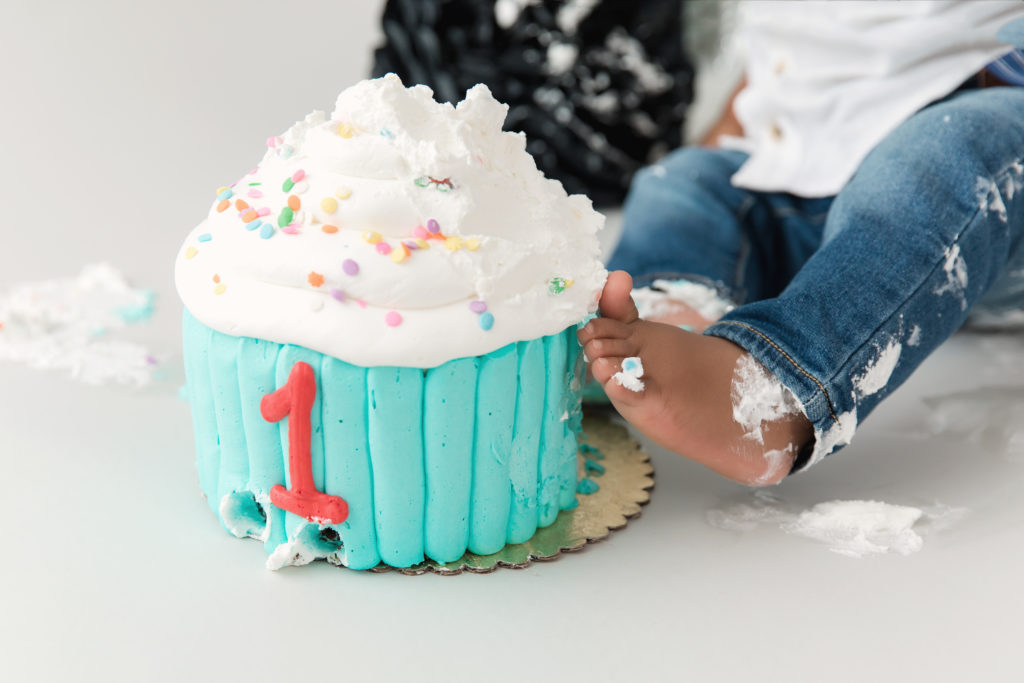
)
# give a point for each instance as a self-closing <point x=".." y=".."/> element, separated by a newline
<point x="821" y="387"/>
<point x="740" y="217"/>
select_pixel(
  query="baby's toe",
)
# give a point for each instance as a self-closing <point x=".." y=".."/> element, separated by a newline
<point x="600" y="328"/>
<point x="606" y="346"/>
<point x="603" y="368"/>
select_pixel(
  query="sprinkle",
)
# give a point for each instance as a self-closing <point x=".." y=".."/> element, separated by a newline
<point x="477" y="306"/>
<point x="191" y="252"/>
<point x="350" y="267"/>
<point x="433" y="226"/>
<point x="225" y="194"/>
<point x="285" y="151"/>
<point x="285" y="217"/>
<point x="557" y="285"/>
<point x="392" y="319"/>
<point x="253" y="184"/>
<point x="346" y="131"/>
<point x="249" y="215"/>
<point x="315" y="278"/>
<point x="329" y="229"/>
<point x="267" y="231"/>
<point x="205" y="237"/>
<point x="387" y="133"/>
<point x="241" y="205"/>
<point x="300" y="188"/>
<point x="342" y="192"/>
<point x="274" y="141"/>
<point x="383" y="248"/>
<point x="221" y="189"/>
<point x="486" y="321"/>
<point x="400" y="254"/>
<point x="298" y="175"/>
<point x="422" y="181"/>
<point x="287" y="185"/>
<point x="422" y="244"/>
<point x="252" y="225"/>
<point x="216" y="277"/>
<point x="453" y="243"/>
<point x="291" y="229"/>
<point x="294" y="203"/>
<point x="372" y="237"/>
<point x="411" y="244"/>
<point x="223" y="205"/>
<point x="220" y="289"/>
<point x="472" y="244"/>
<point x="329" y="204"/>
<point x="419" y="231"/>
<point x="338" y="294"/>
<point x="362" y="304"/>
<point x="254" y="193"/>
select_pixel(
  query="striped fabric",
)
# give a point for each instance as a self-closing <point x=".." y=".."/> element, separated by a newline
<point x="1009" y="68"/>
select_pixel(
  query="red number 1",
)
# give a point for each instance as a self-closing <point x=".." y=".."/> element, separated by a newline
<point x="294" y="400"/>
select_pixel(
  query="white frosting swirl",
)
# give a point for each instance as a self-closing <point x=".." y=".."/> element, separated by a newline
<point x="482" y="224"/>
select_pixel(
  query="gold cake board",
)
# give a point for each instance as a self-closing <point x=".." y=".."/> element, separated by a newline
<point x="625" y="486"/>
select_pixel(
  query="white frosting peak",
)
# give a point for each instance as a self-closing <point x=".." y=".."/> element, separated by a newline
<point x="417" y="232"/>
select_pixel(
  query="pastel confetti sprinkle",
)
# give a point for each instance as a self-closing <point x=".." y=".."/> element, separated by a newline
<point x="387" y="133"/>
<point x="343" y="192"/>
<point x="422" y="244"/>
<point x="400" y="254"/>
<point x="392" y="319"/>
<point x="433" y="226"/>
<point x="315" y="278"/>
<point x="249" y="215"/>
<point x="252" y="225"/>
<point x="274" y="141"/>
<point x="265" y="211"/>
<point x="422" y="181"/>
<point x="419" y="231"/>
<point x="372" y="237"/>
<point x="191" y="252"/>
<point x="329" y="204"/>
<point x="254" y="193"/>
<point x="287" y="185"/>
<point x="267" y="231"/>
<point x="472" y="244"/>
<point x="220" y="289"/>
<point x="221" y="189"/>
<point x="253" y="184"/>
<point x="241" y="205"/>
<point x="477" y="306"/>
<point x="290" y="229"/>
<point x="298" y="175"/>
<point x="329" y="229"/>
<point x="411" y="244"/>
<point x="294" y="203"/>
<point x="216" y="277"/>
<point x="362" y="304"/>
<point x="300" y="188"/>
<point x="557" y="285"/>
<point x="286" y="216"/>
<point x="486" y="321"/>
<point x="205" y="237"/>
<point x="350" y="267"/>
<point x="225" y="194"/>
<point x="223" y="205"/>
<point x="285" y="151"/>
<point x="453" y="243"/>
<point x="383" y="248"/>
<point x="346" y="131"/>
<point x="338" y="294"/>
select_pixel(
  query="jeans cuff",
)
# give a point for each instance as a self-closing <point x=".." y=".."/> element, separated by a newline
<point x="832" y="430"/>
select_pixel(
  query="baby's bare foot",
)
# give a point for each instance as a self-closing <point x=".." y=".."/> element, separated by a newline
<point x="686" y="402"/>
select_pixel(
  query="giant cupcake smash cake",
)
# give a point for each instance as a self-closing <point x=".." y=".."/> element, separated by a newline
<point x="379" y="335"/>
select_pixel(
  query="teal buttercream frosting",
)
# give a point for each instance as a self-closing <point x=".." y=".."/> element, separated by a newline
<point x="468" y="456"/>
<point x="587" y="486"/>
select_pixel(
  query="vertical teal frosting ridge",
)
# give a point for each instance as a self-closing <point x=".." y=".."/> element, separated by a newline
<point x="473" y="454"/>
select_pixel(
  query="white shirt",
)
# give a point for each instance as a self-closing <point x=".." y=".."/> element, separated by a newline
<point x="827" y="81"/>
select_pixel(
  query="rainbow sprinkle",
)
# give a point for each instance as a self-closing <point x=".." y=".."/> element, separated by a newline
<point x="205" y="237"/>
<point x="392" y="319"/>
<point x="350" y="267"/>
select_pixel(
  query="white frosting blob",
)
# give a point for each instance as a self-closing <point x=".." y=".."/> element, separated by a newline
<point x="388" y="161"/>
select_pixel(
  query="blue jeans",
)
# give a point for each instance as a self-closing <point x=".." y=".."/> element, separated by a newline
<point x="843" y="297"/>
